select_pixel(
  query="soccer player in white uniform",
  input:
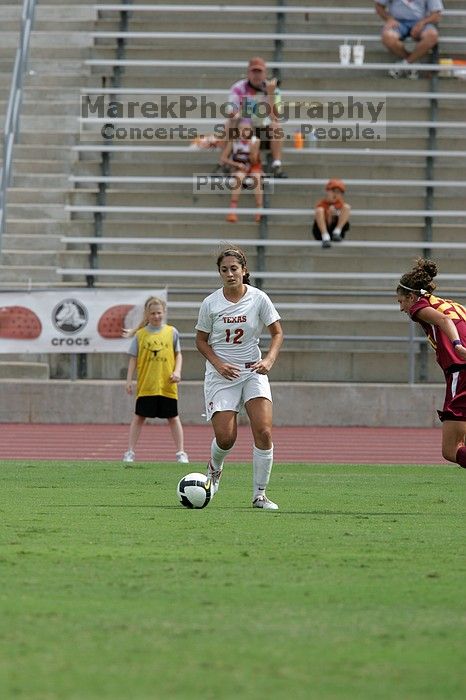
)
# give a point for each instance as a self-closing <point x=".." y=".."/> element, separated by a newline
<point x="228" y="330"/>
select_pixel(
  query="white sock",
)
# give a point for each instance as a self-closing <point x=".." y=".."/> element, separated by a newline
<point x="337" y="231"/>
<point x="217" y="455"/>
<point x="325" y="236"/>
<point x="262" y="462"/>
<point x="276" y="163"/>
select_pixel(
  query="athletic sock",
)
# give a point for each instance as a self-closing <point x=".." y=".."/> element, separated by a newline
<point x="262" y="461"/>
<point x="336" y="231"/>
<point x="325" y="236"/>
<point x="217" y="455"/>
<point x="461" y="457"/>
<point x="276" y="163"/>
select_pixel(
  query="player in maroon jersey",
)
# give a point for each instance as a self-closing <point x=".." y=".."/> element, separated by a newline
<point x="444" y="323"/>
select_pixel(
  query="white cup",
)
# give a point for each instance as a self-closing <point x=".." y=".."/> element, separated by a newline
<point x="345" y="54"/>
<point x="358" y="54"/>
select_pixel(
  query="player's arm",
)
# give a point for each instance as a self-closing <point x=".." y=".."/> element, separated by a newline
<point x="444" y="324"/>
<point x="264" y="365"/>
<point x="176" y="374"/>
<point x="225" y="157"/>
<point x="254" y="155"/>
<point x="385" y="15"/>
<point x="433" y="18"/>
<point x="224" y="368"/>
<point x="129" y="375"/>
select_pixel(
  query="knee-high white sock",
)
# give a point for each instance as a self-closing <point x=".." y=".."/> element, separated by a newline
<point x="262" y="461"/>
<point x="217" y="455"/>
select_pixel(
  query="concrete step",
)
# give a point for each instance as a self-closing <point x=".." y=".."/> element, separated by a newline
<point x="36" y="195"/>
<point x="24" y="370"/>
<point x="30" y="242"/>
<point x="43" y="153"/>
<point x="28" y="257"/>
<point x="22" y="277"/>
<point x="46" y="212"/>
<point x="183" y="228"/>
<point x="281" y="198"/>
<point x="32" y="181"/>
<point x="41" y="124"/>
<point x="56" y="109"/>
<point x="294" y="260"/>
<point x="50" y="138"/>
<point x="37" y="168"/>
<point x="35" y="227"/>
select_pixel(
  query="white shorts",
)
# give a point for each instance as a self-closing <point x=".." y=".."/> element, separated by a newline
<point x="224" y="395"/>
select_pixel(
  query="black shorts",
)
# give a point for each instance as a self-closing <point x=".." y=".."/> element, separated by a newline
<point x="316" y="230"/>
<point x="265" y="134"/>
<point x="156" y="407"/>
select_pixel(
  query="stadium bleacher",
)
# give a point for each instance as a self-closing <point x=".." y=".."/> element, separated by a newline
<point x="136" y="196"/>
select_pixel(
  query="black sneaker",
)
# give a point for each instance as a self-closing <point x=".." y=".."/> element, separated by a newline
<point x="326" y="243"/>
<point x="278" y="172"/>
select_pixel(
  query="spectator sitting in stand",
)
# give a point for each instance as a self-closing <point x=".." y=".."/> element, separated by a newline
<point x="332" y="215"/>
<point x="416" y="19"/>
<point x="258" y="99"/>
<point x="242" y="156"/>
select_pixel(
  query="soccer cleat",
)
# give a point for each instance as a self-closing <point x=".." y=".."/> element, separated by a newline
<point x="214" y="475"/>
<point x="263" y="502"/>
<point x="232" y="217"/>
<point x="326" y="243"/>
<point x="129" y="456"/>
<point x="413" y="73"/>
<point x="182" y="457"/>
<point x="337" y="237"/>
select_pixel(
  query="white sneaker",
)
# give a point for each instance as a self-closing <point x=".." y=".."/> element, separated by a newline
<point x="400" y="70"/>
<point x="129" y="456"/>
<point x="182" y="457"/>
<point x="263" y="502"/>
<point x="214" y="475"/>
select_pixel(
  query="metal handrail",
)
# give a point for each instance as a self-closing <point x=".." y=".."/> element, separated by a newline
<point x="14" y="106"/>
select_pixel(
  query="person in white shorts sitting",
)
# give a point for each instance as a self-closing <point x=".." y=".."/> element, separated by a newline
<point x="228" y="330"/>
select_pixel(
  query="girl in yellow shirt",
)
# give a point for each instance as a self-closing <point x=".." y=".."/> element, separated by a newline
<point x="156" y="355"/>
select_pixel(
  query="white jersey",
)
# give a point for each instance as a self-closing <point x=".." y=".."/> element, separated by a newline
<point x="235" y="328"/>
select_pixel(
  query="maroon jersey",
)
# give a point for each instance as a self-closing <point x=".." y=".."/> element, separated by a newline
<point x="446" y="356"/>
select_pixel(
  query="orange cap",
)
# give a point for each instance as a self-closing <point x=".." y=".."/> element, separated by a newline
<point x="335" y="185"/>
<point x="257" y="62"/>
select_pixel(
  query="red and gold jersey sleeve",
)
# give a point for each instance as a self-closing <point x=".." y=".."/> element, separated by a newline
<point x="446" y="356"/>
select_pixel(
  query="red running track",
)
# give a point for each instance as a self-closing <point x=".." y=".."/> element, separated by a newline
<point x="351" y="445"/>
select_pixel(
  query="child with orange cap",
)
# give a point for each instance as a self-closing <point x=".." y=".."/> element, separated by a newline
<point x="331" y="214"/>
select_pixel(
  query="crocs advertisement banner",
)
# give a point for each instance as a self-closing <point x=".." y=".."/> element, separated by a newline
<point x="71" y="320"/>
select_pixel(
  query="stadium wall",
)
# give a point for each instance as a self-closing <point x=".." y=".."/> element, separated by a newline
<point x="317" y="404"/>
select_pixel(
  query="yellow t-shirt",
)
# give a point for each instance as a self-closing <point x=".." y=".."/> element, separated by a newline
<point x="156" y="362"/>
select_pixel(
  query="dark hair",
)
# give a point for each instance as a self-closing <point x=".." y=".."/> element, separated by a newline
<point x="237" y="253"/>
<point x="419" y="279"/>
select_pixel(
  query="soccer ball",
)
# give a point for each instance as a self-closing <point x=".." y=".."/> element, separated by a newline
<point x="195" y="490"/>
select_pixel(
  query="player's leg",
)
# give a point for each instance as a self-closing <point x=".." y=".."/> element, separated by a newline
<point x="225" y="428"/>
<point x="341" y="222"/>
<point x="134" y="432"/>
<point x="320" y="222"/>
<point x="260" y="413"/>
<point x="237" y="183"/>
<point x="453" y="437"/>
<point x="176" y="430"/>
<point x="392" y="39"/>
<point x="429" y="38"/>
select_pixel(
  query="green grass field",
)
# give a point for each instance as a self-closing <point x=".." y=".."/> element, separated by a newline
<point x="355" y="589"/>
